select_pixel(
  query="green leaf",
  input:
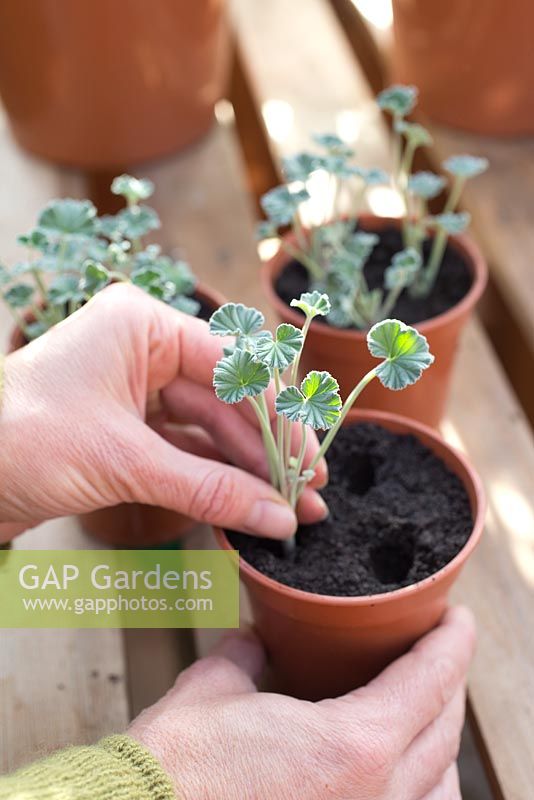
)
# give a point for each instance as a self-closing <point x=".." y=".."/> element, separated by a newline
<point x="109" y="225"/>
<point x="312" y="304"/>
<point x="317" y="403"/>
<point x="333" y="144"/>
<point x="68" y="217"/>
<point x="403" y="269"/>
<point x="299" y="167"/>
<point x="265" y="230"/>
<point x="188" y="305"/>
<point x="372" y="176"/>
<point x="280" y="352"/>
<point x="465" y="166"/>
<point x="399" y="100"/>
<point x="452" y="223"/>
<point x="361" y="244"/>
<point x="236" y="319"/>
<point x="19" y="295"/>
<point x="281" y="205"/>
<point x="133" y="189"/>
<point x="119" y="253"/>
<point x="240" y="375"/>
<point x="36" y="239"/>
<point x="416" y="134"/>
<point x="35" y="329"/>
<point x="146" y="277"/>
<point x="405" y="352"/>
<point x="63" y="289"/>
<point x="336" y="165"/>
<point x="95" y="277"/>
<point x="137" y="221"/>
<point x="5" y="277"/>
<point x="426" y="184"/>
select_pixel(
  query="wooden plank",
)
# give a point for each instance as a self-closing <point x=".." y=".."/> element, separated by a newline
<point x="316" y="77"/>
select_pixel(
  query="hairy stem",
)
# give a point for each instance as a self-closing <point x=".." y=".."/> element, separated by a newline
<point x="311" y="265"/>
<point x="268" y="438"/>
<point x="349" y="402"/>
<point x="294" y="496"/>
<point x="280" y="438"/>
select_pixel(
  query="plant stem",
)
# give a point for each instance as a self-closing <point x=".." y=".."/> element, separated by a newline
<point x="40" y="284"/>
<point x="389" y="303"/>
<point x="268" y="439"/>
<point x="296" y="362"/>
<point x="349" y="402"/>
<point x="312" y="266"/>
<point x="300" y="460"/>
<point x="280" y="433"/>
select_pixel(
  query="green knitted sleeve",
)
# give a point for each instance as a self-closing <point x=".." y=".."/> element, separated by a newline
<point x="117" y="768"/>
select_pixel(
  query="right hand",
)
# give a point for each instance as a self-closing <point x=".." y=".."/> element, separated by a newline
<point x="395" y="739"/>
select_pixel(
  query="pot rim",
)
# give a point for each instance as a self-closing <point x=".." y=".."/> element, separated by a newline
<point x="462" y="242"/>
<point x="479" y="514"/>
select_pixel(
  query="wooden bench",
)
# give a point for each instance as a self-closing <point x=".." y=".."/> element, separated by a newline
<point x="58" y="687"/>
<point x="304" y="79"/>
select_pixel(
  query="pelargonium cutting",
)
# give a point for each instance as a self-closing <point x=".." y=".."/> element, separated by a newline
<point x="73" y="254"/>
<point x="335" y="251"/>
<point x="258" y="357"/>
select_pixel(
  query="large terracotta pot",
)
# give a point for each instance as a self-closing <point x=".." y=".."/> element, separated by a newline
<point x="471" y="61"/>
<point x="134" y="524"/>
<point x="321" y="646"/>
<point x="104" y="84"/>
<point x="345" y="354"/>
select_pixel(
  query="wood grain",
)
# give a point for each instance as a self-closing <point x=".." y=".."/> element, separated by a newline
<point x="316" y="76"/>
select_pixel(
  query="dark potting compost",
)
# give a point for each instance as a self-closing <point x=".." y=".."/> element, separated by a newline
<point x="206" y="309"/>
<point x="397" y="516"/>
<point x="452" y="284"/>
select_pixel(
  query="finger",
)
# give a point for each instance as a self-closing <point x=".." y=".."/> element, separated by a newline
<point x="232" y="668"/>
<point x="150" y="470"/>
<point x="448" y="787"/>
<point x="190" y="438"/>
<point x="9" y="530"/>
<point x="413" y="691"/>
<point x="434" y="750"/>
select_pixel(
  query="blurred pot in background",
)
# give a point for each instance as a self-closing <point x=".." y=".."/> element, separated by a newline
<point x="472" y="62"/>
<point x="103" y="84"/>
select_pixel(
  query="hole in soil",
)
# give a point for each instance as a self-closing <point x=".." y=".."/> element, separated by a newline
<point x="360" y="474"/>
<point x="393" y="558"/>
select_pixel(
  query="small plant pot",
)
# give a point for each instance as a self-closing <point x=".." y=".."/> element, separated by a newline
<point x="323" y="646"/>
<point x="135" y="524"/>
<point x="105" y="85"/>
<point x="474" y="70"/>
<point x="345" y="354"/>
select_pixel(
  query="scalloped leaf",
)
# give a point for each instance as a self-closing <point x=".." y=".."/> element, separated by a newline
<point x="19" y="295"/>
<point x="188" y="305"/>
<point x="426" y="184"/>
<point x="95" y="277"/>
<point x="403" y="269"/>
<point x="466" y="166"/>
<point x="416" y="134"/>
<point x="399" y="99"/>
<point x="299" y="167"/>
<point x="236" y="319"/>
<point x="68" y="217"/>
<point x="372" y="176"/>
<point x="137" y="221"/>
<point x="279" y="352"/>
<point x="452" y="223"/>
<point x="133" y="189"/>
<point x="64" y="289"/>
<point x="404" y="350"/>
<point x="265" y="230"/>
<point x="240" y="375"/>
<point x="361" y="244"/>
<point x="35" y="239"/>
<point x="313" y="304"/>
<point x="333" y="144"/>
<point x="281" y="205"/>
<point x="317" y="403"/>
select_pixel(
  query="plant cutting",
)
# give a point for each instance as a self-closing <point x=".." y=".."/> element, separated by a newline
<point x="421" y="269"/>
<point x="347" y="595"/>
<point x="72" y="255"/>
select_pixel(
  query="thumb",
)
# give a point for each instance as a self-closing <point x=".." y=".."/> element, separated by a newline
<point x="204" y="489"/>
<point x="232" y="668"/>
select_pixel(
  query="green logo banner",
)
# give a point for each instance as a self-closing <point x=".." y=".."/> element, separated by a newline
<point x="119" y="589"/>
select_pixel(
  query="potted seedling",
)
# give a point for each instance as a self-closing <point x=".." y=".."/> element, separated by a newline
<point x="422" y="269"/>
<point x="73" y="254"/>
<point x="347" y="595"/>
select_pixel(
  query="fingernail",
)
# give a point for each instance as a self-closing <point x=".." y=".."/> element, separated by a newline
<point x="318" y="507"/>
<point x="271" y="519"/>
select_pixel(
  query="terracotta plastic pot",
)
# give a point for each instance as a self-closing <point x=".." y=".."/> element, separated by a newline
<point x="134" y="524"/>
<point x="472" y="62"/>
<point x="105" y="84"/>
<point x="321" y="646"/>
<point x="344" y="353"/>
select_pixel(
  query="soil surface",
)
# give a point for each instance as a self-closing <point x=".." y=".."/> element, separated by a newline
<point x="206" y="310"/>
<point x="452" y="284"/>
<point x="397" y="515"/>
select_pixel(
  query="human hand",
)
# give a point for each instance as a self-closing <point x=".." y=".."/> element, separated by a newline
<point x="74" y="436"/>
<point x="395" y="739"/>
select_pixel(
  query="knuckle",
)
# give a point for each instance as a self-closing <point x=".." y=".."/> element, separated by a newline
<point x="214" y="497"/>
<point x="448" y="676"/>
